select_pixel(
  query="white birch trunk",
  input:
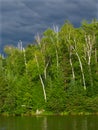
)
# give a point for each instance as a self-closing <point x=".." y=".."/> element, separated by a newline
<point x="89" y="46"/>
<point x="82" y="72"/>
<point x="70" y="54"/>
<point x="56" y="30"/>
<point x="45" y="70"/>
<point x="38" y="39"/>
<point x="71" y="64"/>
<point x="20" y="45"/>
<point x="25" y="59"/>
<point x="43" y="87"/>
<point x="42" y="83"/>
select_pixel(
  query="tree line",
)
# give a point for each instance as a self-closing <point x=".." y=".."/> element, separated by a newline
<point x="57" y="73"/>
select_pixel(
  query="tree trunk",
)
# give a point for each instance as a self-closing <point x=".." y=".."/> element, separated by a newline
<point x="25" y="59"/>
<point x="42" y="83"/>
<point x="82" y="72"/>
<point x="73" y="74"/>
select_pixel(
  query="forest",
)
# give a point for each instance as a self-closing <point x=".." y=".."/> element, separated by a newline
<point x="57" y="73"/>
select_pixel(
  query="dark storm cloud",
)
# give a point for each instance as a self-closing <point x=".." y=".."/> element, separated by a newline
<point x="22" y="19"/>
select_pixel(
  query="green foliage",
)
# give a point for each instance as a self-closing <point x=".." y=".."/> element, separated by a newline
<point x="91" y="104"/>
<point x="58" y="74"/>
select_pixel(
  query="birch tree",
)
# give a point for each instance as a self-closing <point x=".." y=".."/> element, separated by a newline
<point x="90" y="32"/>
<point x="68" y="38"/>
<point x="42" y="82"/>
<point x="77" y="48"/>
<point x="42" y="50"/>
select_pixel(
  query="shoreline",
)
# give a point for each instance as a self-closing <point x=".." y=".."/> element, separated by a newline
<point x="50" y="114"/>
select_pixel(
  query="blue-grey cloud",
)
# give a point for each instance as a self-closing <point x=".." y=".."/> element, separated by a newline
<point x="22" y="19"/>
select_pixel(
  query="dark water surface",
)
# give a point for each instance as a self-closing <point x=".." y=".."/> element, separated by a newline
<point x="49" y="123"/>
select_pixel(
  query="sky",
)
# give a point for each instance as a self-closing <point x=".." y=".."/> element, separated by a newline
<point x="23" y="19"/>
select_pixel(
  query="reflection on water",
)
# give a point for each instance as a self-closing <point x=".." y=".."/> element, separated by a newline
<point x="84" y="124"/>
<point x="44" y="125"/>
<point x="49" y="123"/>
<point x="80" y="124"/>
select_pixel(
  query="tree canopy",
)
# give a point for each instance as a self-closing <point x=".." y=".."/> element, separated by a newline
<point x="58" y="73"/>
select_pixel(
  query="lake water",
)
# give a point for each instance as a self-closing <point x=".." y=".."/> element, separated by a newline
<point x="49" y="123"/>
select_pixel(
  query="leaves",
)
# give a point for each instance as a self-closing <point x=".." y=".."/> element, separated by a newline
<point x="58" y="73"/>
